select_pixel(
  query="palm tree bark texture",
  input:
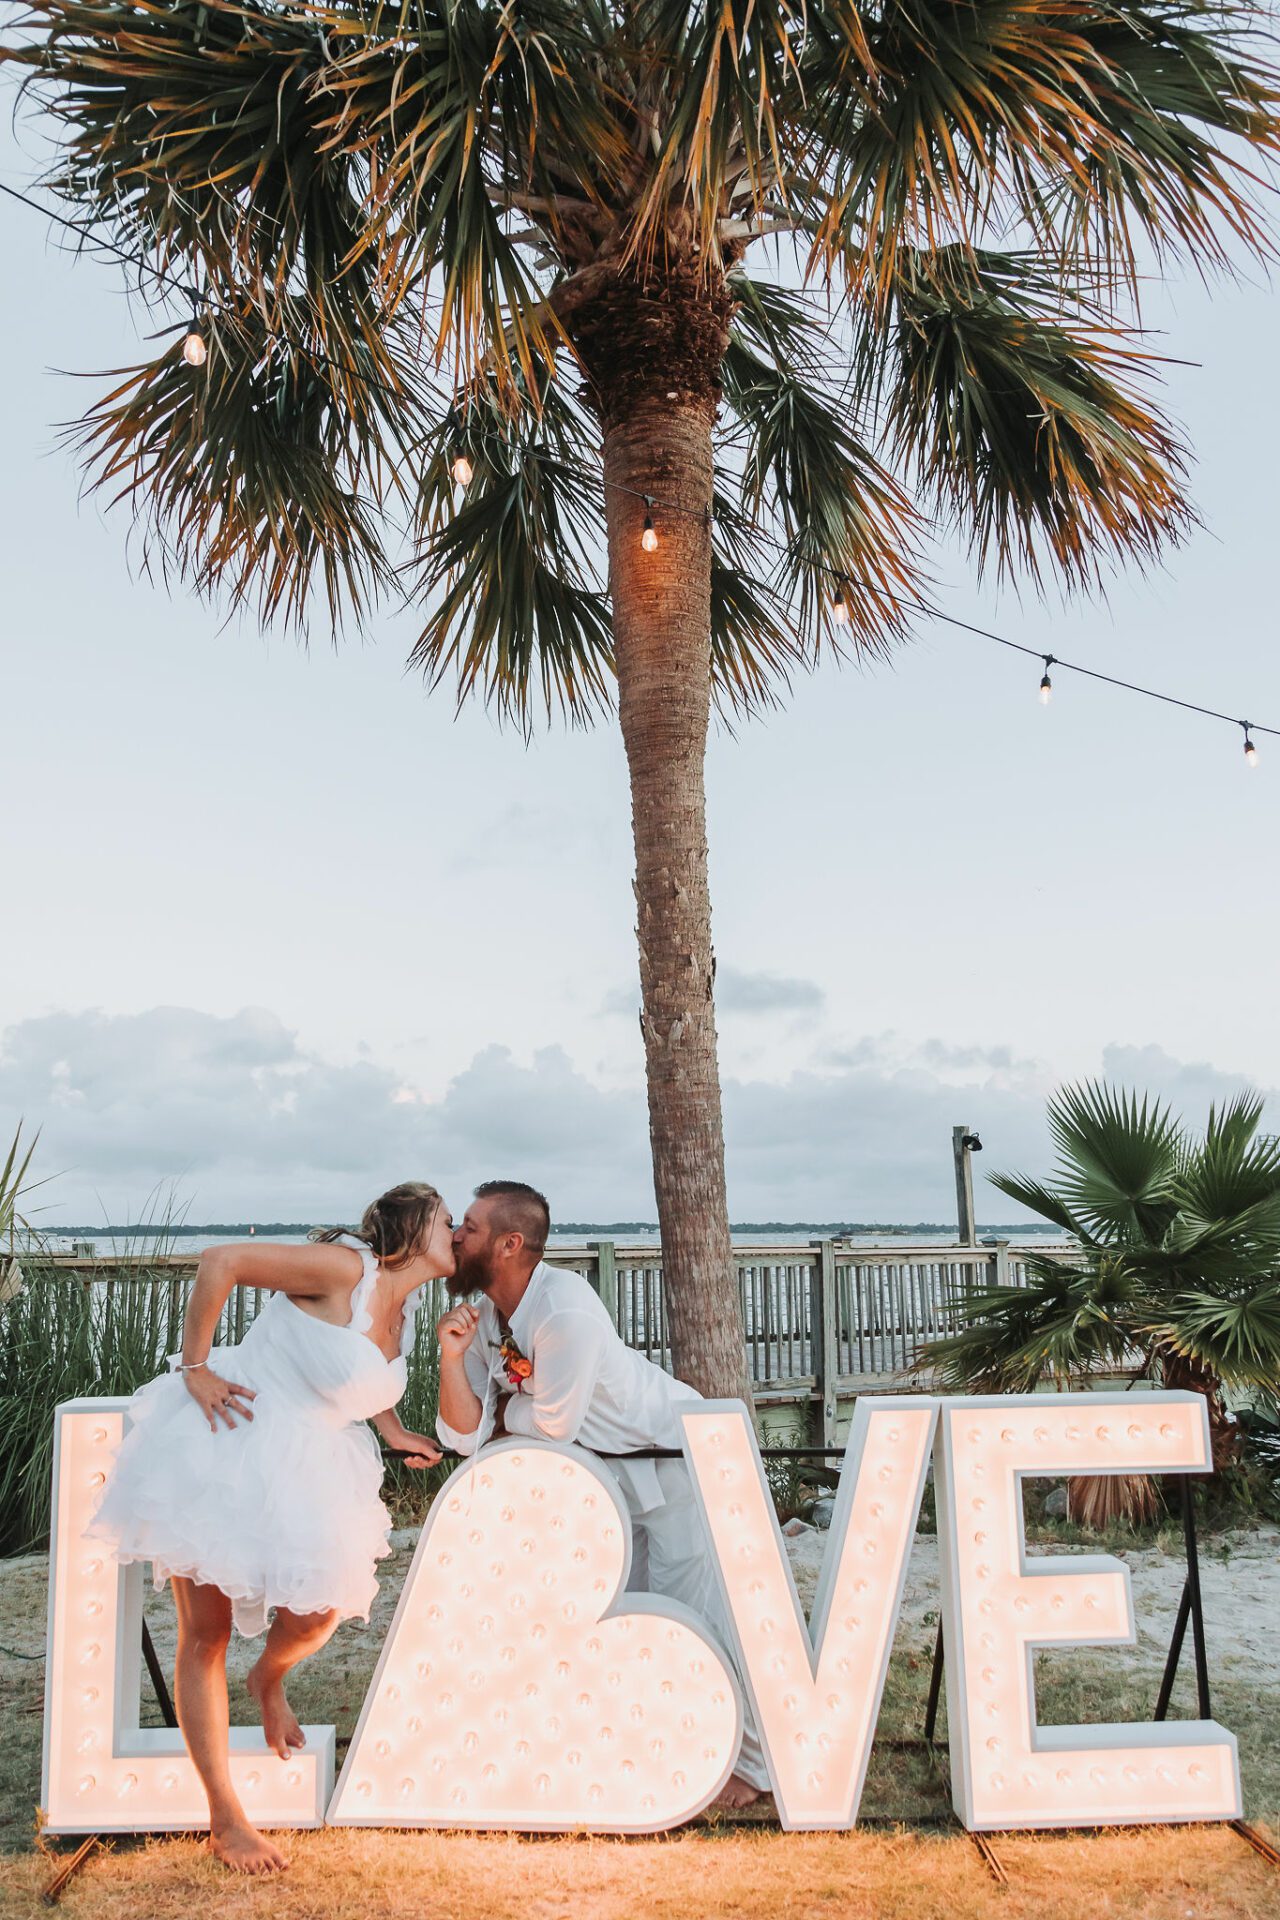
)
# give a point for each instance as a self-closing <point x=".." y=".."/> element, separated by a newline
<point x="652" y="346"/>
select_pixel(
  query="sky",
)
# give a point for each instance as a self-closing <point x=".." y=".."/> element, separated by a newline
<point x="281" y="929"/>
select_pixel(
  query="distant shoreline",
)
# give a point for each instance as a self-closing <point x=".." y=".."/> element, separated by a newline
<point x="150" y="1230"/>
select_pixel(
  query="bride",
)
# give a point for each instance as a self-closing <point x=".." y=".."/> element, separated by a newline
<point x="248" y="1477"/>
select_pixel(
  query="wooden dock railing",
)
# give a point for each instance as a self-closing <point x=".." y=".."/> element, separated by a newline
<point x="823" y="1322"/>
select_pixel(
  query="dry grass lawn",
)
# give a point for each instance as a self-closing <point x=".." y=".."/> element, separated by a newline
<point x="1198" y="1873"/>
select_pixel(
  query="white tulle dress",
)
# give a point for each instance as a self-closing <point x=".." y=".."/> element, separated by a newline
<point x="281" y="1511"/>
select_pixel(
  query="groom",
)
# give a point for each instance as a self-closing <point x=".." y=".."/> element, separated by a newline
<point x="541" y="1357"/>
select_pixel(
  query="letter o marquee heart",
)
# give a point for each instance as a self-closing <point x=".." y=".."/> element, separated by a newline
<point x="510" y="1693"/>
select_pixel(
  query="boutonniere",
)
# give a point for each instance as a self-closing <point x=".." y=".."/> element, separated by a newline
<point x="517" y="1368"/>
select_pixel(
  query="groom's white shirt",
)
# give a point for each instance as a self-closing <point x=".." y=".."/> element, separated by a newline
<point x="587" y="1385"/>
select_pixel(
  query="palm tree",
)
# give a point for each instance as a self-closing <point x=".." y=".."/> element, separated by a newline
<point x="457" y="237"/>
<point x="1177" y="1274"/>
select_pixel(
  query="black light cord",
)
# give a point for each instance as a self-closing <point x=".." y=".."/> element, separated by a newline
<point x="759" y="534"/>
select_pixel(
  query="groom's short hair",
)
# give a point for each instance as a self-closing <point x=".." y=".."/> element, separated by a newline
<point x="520" y="1209"/>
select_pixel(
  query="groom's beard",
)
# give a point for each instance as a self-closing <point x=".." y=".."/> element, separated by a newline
<point x="473" y="1274"/>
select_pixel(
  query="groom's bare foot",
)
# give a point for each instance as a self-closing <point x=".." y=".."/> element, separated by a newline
<point x="242" y="1848"/>
<point x="736" y="1794"/>
<point x="279" y="1722"/>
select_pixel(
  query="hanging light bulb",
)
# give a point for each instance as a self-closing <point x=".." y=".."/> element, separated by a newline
<point x="1046" y="685"/>
<point x="194" y="348"/>
<point x="463" y="471"/>
<point x="649" y="538"/>
<point x="839" y="607"/>
<point x="1250" y="751"/>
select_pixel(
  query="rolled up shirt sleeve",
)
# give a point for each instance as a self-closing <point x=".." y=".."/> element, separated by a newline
<point x="481" y="1382"/>
<point x="566" y="1366"/>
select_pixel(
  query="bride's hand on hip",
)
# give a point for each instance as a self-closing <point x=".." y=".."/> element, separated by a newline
<point x="456" y="1331"/>
<point x="219" y="1399"/>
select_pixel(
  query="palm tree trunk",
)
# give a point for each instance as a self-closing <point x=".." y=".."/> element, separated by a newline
<point x="662" y="630"/>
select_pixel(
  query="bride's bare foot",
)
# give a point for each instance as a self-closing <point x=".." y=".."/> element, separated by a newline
<point x="737" y="1793"/>
<point x="279" y="1722"/>
<point x="242" y="1848"/>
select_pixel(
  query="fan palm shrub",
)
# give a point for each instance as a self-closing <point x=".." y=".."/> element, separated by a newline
<point x="478" y="293"/>
<point x="1175" y="1276"/>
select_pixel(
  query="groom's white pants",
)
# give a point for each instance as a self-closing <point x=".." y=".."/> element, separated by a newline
<point x="671" y="1555"/>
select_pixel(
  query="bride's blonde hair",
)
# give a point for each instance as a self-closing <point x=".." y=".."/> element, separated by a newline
<point x="395" y="1225"/>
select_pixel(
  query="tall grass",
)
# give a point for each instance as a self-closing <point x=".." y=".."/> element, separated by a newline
<point x="406" y="1492"/>
<point x="61" y="1338"/>
<point x="66" y="1335"/>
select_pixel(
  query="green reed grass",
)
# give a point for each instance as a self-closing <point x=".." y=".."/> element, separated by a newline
<point x="61" y="1339"/>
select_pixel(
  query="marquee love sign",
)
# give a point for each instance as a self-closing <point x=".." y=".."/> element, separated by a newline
<point x="521" y="1686"/>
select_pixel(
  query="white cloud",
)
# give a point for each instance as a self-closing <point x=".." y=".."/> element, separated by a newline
<point x="249" y="1124"/>
<point x="738" y="991"/>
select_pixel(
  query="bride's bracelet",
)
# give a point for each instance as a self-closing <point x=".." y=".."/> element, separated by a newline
<point x="190" y="1366"/>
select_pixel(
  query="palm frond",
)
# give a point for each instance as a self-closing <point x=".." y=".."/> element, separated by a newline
<point x="461" y="111"/>
<point x="1237" y="1336"/>
<point x="842" y="515"/>
<point x="755" y="646"/>
<point x="1063" y="1322"/>
<point x="1186" y="112"/>
<point x="728" y="67"/>
<point x="517" y="614"/>
<point x="195" y="135"/>
<point x="264" y="471"/>
<point x="1038" y="1198"/>
<point x="1028" y="422"/>
<point x="1116" y="1160"/>
<point x="1093" y="124"/>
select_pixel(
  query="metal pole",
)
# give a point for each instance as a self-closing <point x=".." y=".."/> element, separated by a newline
<point x="961" y="1149"/>
<point x="1197" y="1604"/>
<point x="1175" y="1653"/>
<point x="1190" y="1608"/>
<point x="158" y="1680"/>
<point x="935" y="1689"/>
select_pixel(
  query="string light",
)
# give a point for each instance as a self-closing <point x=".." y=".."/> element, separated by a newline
<point x="195" y="352"/>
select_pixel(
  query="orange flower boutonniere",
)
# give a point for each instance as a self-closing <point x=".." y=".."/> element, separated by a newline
<point x="517" y="1368"/>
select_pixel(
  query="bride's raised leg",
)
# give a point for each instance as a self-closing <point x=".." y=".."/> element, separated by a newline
<point x="204" y="1629"/>
<point x="291" y="1638"/>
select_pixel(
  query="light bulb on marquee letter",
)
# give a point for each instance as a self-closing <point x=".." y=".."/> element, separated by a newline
<point x="816" y="1699"/>
<point x="1000" y="1603"/>
<point x="103" y="1773"/>
<point x="519" y="1686"/>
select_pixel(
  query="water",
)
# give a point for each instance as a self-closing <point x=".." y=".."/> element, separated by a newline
<point x="104" y="1243"/>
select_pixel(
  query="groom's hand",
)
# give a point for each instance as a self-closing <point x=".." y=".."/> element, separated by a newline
<point x="457" y="1330"/>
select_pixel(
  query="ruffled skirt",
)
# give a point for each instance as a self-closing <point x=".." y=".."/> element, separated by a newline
<point x="281" y="1511"/>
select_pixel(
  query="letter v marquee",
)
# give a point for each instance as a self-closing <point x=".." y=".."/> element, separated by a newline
<point x="816" y="1698"/>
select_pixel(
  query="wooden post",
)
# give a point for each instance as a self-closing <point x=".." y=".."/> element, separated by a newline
<point x="968" y="1231"/>
<point x="604" y="1275"/>
<point x="824" y="1338"/>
